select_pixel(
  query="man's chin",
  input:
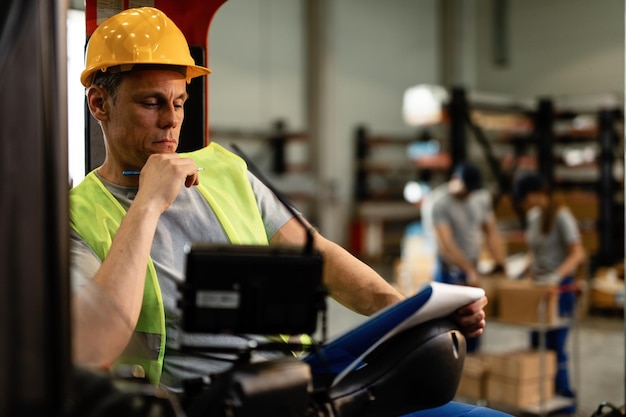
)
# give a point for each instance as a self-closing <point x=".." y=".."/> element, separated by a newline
<point x="164" y="149"/>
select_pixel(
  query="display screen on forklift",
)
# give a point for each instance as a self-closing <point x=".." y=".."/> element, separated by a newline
<point x="251" y="289"/>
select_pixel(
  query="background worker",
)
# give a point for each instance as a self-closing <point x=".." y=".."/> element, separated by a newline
<point x="129" y="231"/>
<point x="461" y="217"/>
<point x="555" y="254"/>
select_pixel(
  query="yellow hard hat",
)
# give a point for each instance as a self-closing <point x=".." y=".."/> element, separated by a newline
<point x="142" y="35"/>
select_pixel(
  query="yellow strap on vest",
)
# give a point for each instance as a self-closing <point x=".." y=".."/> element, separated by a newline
<point x="91" y="200"/>
<point x="304" y="339"/>
<point x="224" y="184"/>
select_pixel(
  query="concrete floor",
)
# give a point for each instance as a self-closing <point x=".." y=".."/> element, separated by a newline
<point x="596" y="346"/>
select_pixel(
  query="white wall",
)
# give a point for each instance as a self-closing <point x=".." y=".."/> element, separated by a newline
<point x="555" y="47"/>
<point x="256" y="52"/>
<point x="376" y="50"/>
<point x="379" y="50"/>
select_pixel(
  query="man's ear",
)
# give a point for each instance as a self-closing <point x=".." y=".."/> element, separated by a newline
<point x="97" y="102"/>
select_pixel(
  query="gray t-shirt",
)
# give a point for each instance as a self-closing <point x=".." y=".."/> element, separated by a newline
<point x="189" y="219"/>
<point x="465" y="217"/>
<point x="551" y="249"/>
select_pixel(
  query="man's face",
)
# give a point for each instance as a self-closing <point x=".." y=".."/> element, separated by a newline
<point x="456" y="186"/>
<point x="145" y="117"/>
<point x="534" y="199"/>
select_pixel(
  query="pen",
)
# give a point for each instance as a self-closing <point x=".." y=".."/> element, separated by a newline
<point x="137" y="172"/>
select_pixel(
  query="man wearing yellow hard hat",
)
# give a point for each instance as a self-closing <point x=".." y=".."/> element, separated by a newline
<point x="132" y="217"/>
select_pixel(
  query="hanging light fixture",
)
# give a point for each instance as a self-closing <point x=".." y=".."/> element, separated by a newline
<point x="423" y="104"/>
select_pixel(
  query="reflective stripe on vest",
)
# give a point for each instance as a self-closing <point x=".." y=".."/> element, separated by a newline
<point x="302" y="339"/>
<point x="224" y="185"/>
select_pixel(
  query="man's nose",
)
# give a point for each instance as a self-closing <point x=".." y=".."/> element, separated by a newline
<point x="170" y="116"/>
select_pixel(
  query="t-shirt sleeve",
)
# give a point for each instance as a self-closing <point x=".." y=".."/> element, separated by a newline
<point x="567" y="226"/>
<point x="84" y="262"/>
<point x="273" y="212"/>
<point x="487" y="206"/>
<point x="439" y="213"/>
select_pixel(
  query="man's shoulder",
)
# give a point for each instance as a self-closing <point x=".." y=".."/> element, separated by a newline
<point x="440" y="196"/>
<point x="86" y="187"/>
<point x="481" y="200"/>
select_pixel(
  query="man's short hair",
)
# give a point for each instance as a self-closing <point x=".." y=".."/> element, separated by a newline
<point x="111" y="79"/>
<point x="108" y="80"/>
<point x="470" y="175"/>
<point x="526" y="183"/>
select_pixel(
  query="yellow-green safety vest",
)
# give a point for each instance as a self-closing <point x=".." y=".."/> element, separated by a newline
<point x="225" y="186"/>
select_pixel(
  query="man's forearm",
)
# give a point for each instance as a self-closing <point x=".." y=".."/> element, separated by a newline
<point x="106" y="312"/>
<point x="351" y="282"/>
<point x="452" y="254"/>
<point x="355" y="284"/>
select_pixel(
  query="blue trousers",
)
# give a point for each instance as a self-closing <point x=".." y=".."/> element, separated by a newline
<point x="455" y="409"/>
<point x="556" y="340"/>
<point x="456" y="278"/>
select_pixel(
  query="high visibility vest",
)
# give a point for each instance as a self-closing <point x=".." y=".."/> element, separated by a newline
<point x="225" y="186"/>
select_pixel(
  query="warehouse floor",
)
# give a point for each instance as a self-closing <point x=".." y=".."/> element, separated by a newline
<point x="596" y="347"/>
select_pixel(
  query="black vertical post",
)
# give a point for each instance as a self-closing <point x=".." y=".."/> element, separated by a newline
<point x="544" y="139"/>
<point x="459" y="113"/>
<point x="606" y="189"/>
<point x="278" y="142"/>
<point x="193" y="130"/>
<point x="35" y="362"/>
<point x="361" y="191"/>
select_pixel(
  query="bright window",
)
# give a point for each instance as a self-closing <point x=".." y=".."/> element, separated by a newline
<point x="75" y="94"/>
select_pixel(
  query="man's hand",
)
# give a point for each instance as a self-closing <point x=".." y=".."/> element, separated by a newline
<point x="471" y="318"/>
<point x="162" y="177"/>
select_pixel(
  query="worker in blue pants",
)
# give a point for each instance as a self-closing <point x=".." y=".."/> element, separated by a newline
<point x="460" y="217"/>
<point x="555" y="253"/>
<point x="556" y="340"/>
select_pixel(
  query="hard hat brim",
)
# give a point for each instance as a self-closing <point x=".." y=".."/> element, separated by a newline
<point x="86" y="77"/>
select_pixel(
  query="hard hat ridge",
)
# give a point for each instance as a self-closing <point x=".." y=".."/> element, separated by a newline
<point x="138" y="36"/>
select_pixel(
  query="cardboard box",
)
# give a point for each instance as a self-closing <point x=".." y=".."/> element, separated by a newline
<point x="491" y="284"/>
<point x="517" y="392"/>
<point x="524" y="302"/>
<point x="583" y="204"/>
<point x="589" y="238"/>
<point x="520" y="378"/>
<point x="607" y="289"/>
<point x="473" y="383"/>
<point x="524" y="364"/>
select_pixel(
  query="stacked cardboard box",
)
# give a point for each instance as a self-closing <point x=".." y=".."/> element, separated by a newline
<point x="524" y="302"/>
<point x="491" y="284"/>
<point x="515" y="378"/>
<point x="473" y="383"/>
<point x="520" y="378"/>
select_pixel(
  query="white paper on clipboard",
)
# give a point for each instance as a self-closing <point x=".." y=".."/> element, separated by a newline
<point x="444" y="300"/>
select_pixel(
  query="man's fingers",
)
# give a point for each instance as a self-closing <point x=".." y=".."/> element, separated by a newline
<point x="473" y="308"/>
